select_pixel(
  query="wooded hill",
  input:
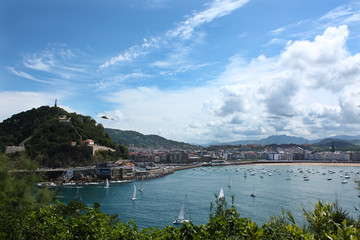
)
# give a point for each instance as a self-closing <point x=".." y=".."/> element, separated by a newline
<point x="48" y="133"/>
<point x="135" y="139"/>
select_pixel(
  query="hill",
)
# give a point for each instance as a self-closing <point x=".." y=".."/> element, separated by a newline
<point x="135" y="139"/>
<point x="47" y="133"/>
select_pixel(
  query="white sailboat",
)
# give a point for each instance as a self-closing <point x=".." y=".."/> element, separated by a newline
<point x="134" y="194"/>
<point x="181" y="217"/>
<point x="107" y="184"/>
<point x="78" y="196"/>
<point x="141" y="187"/>
<point x="343" y="181"/>
<point x="253" y="192"/>
<point x="221" y="194"/>
<point x="288" y="176"/>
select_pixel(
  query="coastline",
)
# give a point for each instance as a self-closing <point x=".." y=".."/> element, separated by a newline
<point x="282" y="163"/>
<point x="315" y="164"/>
<point x="170" y="169"/>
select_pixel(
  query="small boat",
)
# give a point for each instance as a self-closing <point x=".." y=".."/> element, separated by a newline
<point x="78" y="196"/>
<point x="270" y="174"/>
<point x="344" y="181"/>
<point x="306" y="178"/>
<point x="288" y="176"/>
<point x="141" y="187"/>
<point x="329" y="178"/>
<point x="253" y="192"/>
<point x="229" y="183"/>
<point x="181" y="217"/>
<point x="134" y="194"/>
<point x="107" y="184"/>
<point x="221" y="194"/>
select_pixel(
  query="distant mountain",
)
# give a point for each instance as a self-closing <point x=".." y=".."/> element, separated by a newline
<point x="284" y="139"/>
<point x="275" y="139"/>
<point x="136" y="139"/>
<point x="345" y="137"/>
<point x="338" y="143"/>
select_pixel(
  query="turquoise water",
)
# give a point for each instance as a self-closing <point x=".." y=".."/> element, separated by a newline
<point x="161" y="200"/>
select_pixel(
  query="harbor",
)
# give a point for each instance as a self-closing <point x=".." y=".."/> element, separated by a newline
<point x="162" y="198"/>
<point x="94" y="175"/>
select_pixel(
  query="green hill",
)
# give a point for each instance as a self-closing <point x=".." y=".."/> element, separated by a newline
<point x="135" y="139"/>
<point x="47" y="134"/>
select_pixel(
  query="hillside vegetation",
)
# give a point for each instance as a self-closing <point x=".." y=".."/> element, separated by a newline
<point x="135" y="139"/>
<point x="47" y="134"/>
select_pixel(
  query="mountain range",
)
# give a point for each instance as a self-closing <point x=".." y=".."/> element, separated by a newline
<point x="136" y="139"/>
<point x="284" y="139"/>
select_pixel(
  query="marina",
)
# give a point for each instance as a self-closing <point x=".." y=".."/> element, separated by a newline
<point x="277" y="187"/>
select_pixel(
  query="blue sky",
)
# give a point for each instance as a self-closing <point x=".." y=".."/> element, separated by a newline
<point x="193" y="71"/>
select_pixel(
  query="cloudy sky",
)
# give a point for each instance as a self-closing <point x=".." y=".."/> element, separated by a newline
<point x="188" y="70"/>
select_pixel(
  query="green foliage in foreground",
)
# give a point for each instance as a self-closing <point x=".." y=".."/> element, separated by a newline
<point x="78" y="221"/>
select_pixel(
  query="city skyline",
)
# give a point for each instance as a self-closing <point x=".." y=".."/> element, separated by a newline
<point x="190" y="71"/>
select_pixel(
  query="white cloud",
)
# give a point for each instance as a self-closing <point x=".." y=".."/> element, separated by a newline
<point x="22" y="74"/>
<point x="133" y="52"/>
<point x="112" y="81"/>
<point x="309" y="90"/>
<point x="324" y="62"/>
<point x="15" y="102"/>
<point x="215" y="9"/>
<point x="278" y="31"/>
<point x="184" y="31"/>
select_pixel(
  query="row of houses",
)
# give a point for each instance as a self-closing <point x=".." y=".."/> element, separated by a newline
<point x="317" y="156"/>
<point x="189" y="157"/>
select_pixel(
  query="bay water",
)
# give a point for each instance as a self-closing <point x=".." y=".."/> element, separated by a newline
<point x="160" y="202"/>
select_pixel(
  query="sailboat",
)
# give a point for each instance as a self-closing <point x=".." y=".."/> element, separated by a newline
<point x="181" y="217"/>
<point x="221" y="194"/>
<point x="253" y="193"/>
<point x="229" y="184"/>
<point x="141" y="187"/>
<point x="78" y="196"/>
<point x="134" y="194"/>
<point x="343" y="181"/>
<point x="107" y="183"/>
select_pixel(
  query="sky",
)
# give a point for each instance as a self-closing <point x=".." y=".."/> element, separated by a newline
<point x="193" y="71"/>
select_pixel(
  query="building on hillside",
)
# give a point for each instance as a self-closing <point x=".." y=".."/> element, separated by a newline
<point x="89" y="141"/>
<point x="63" y="119"/>
<point x="14" y="149"/>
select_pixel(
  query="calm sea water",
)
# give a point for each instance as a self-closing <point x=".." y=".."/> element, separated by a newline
<point x="161" y="200"/>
